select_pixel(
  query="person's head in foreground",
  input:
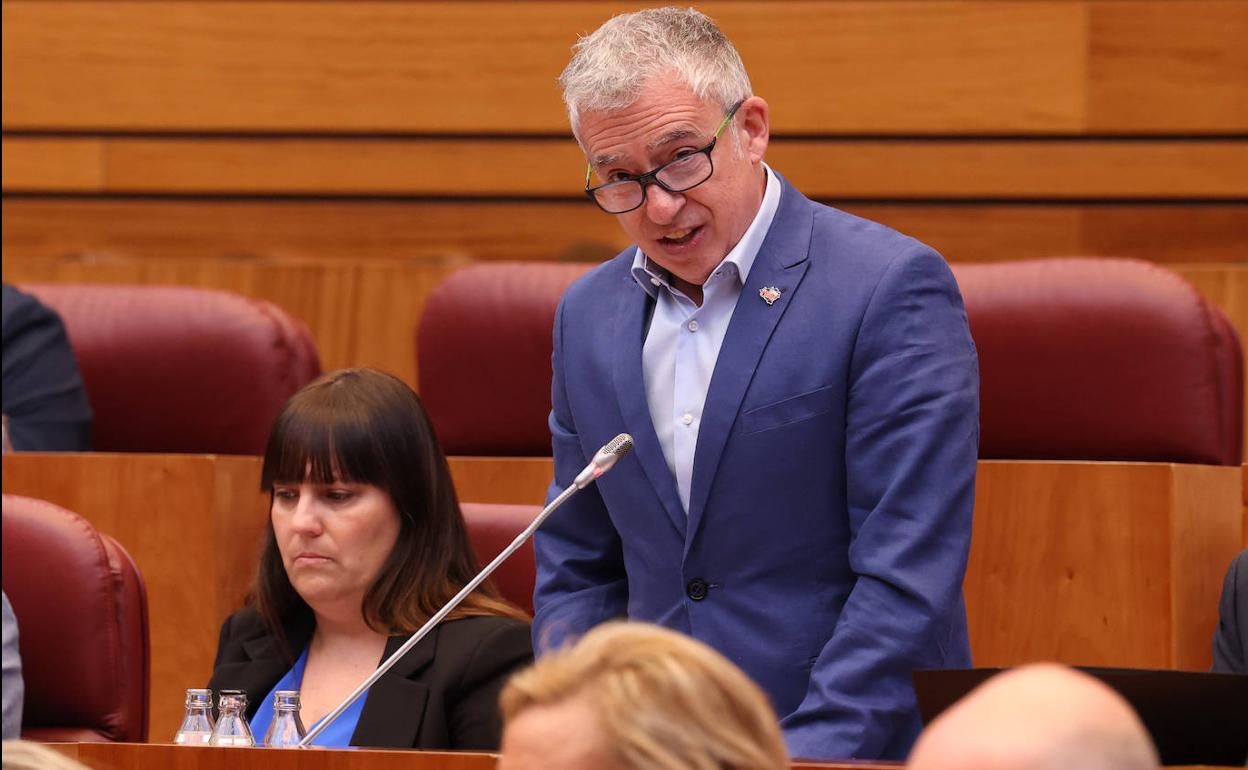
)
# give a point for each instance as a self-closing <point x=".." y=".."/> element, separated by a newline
<point x="365" y="527"/>
<point x="632" y="696"/>
<point x="662" y="106"/>
<point x="1037" y="717"/>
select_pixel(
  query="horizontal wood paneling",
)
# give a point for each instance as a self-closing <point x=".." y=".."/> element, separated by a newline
<point x="464" y="67"/>
<point x="1172" y="66"/>
<point x="40" y="228"/>
<point x="891" y="66"/>
<point x="53" y="165"/>
<point x="554" y="167"/>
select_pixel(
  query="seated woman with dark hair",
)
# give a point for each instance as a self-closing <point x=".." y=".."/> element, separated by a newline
<point x="365" y="543"/>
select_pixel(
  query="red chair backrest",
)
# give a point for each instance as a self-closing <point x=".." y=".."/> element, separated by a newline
<point x="81" y="611"/>
<point x="1080" y="359"/>
<point x="492" y="528"/>
<point x="181" y="369"/>
<point x="1102" y="359"/>
<point x="484" y="355"/>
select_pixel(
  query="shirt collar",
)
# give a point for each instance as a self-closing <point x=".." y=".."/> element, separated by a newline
<point x="650" y="275"/>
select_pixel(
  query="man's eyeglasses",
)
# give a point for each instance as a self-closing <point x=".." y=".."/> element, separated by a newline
<point x="684" y="173"/>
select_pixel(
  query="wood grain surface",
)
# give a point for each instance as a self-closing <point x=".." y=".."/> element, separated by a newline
<point x="1112" y="564"/>
<point x="554" y="168"/>
<point x="162" y="228"/>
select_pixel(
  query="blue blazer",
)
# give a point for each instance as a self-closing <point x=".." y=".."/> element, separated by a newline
<point x="830" y="510"/>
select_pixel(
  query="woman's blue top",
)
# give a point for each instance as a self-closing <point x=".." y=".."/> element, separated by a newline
<point x="337" y="735"/>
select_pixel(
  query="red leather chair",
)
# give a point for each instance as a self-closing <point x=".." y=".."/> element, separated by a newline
<point x="1080" y="359"/>
<point x="181" y="369"/>
<point x="81" y="611"/>
<point x="483" y="349"/>
<point x="1102" y="359"/>
<point x="492" y="528"/>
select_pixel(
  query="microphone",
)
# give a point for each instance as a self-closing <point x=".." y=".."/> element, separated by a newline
<point x="603" y="461"/>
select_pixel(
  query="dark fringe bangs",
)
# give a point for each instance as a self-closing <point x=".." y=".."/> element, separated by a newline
<point x="334" y="445"/>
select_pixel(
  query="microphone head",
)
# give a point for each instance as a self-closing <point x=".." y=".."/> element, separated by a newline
<point x="604" y="459"/>
<point x="611" y="452"/>
<point x="619" y="446"/>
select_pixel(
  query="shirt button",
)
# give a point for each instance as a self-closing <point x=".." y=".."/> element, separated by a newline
<point x="693" y="326"/>
<point x="656" y="282"/>
<point x="686" y="418"/>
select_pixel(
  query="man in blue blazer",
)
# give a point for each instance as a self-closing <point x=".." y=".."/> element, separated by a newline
<point x="802" y="390"/>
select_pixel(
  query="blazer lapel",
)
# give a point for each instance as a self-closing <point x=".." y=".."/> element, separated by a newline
<point x="781" y="263"/>
<point x="266" y="664"/>
<point x="630" y="389"/>
<point x="395" y="709"/>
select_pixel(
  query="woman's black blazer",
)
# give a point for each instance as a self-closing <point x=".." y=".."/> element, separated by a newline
<point x="442" y="695"/>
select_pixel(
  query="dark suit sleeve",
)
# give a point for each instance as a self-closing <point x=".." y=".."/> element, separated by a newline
<point x="474" y="719"/>
<point x="1230" y="640"/>
<point x="43" y="393"/>
<point x="581" y="580"/>
<point x="912" y="440"/>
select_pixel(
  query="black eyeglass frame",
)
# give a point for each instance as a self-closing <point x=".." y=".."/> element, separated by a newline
<point x="652" y="176"/>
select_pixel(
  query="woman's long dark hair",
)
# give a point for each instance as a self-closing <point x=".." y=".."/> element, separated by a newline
<point x="366" y="427"/>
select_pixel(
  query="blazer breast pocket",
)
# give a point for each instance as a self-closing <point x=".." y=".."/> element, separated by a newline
<point x="789" y="411"/>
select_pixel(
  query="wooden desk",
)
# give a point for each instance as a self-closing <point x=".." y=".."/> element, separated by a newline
<point x="1085" y="563"/>
<point x="138" y="756"/>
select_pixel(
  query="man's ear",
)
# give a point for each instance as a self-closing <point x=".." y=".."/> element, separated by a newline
<point x="753" y="116"/>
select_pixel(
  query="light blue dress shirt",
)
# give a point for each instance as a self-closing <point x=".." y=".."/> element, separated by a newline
<point x="337" y="735"/>
<point x="684" y="339"/>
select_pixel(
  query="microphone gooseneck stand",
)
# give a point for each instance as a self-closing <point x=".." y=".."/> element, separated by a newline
<point x="602" y="462"/>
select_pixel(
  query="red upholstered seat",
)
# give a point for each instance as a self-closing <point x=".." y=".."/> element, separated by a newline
<point x="484" y="352"/>
<point x="1080" y="359"/>
<point x="81" y="611"/>
<point x="491" y="529"/>
<point x="1102" y="359"/>
<point x="181" y="369"/>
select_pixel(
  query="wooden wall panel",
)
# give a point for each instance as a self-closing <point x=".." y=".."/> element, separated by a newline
<point x="539" y="168"/>
<point x="898" y="66"/>
<point x="1121" y="565"/>
<point x="462" y="67"/>
<point x="53" y="165"/>
<point x="1173" y="67"/>
<point x="88" y="228"/>
<point x="1202" y="545"/>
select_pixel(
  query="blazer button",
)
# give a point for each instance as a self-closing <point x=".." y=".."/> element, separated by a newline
<point x="696" y="589"/>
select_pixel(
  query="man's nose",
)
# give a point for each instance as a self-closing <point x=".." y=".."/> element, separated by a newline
<point x="663" y="206"/>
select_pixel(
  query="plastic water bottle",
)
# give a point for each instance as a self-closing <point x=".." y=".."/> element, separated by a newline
<point x="232" y="728"/>
<point x="197" y="725"/>
<point x="286" y="729"/>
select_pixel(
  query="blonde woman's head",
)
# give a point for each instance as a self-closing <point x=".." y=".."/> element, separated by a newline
<point x="632" y="696"/>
